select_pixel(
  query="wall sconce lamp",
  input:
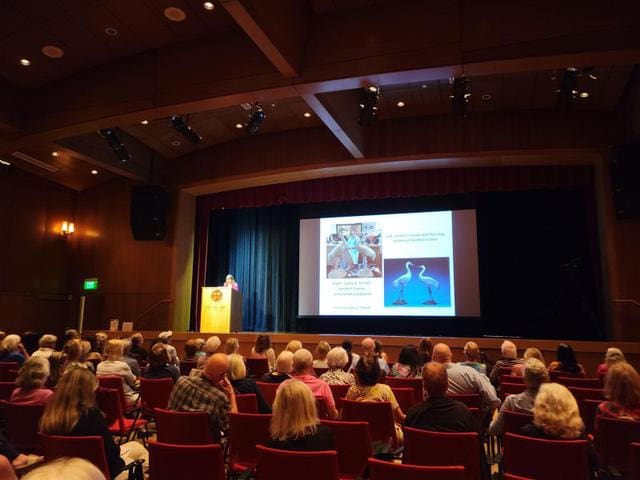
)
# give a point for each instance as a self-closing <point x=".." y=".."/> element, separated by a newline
<point x="67" y="228"/>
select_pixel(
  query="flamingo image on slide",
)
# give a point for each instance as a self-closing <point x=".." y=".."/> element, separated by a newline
<point x="430" y="283"/>
<point x="401" y="281"/>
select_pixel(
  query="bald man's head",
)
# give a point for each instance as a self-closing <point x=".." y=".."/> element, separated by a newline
<point x="216" y="366"/>
<point x="442" y="353"/>
<point x="368" y="346"/>
<point x="435" y="379"/>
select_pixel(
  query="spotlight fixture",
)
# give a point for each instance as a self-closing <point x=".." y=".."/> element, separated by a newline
<point x="368" y="106"/>
<point x="568" y="88"/>
<point x="584" y="94"/>
<point x="55" y="154"/>
<point x="460" y="95"/>
<point x="94" y="172"/>
<point x="145" y="122"/>
<point x="208" y="5"/>
<point x="239" y="125"/>
<point x="25" y="62"/>
<point x="400" y="104"/>
<point x="184" y="129"/>
<point x="113" y="140"/>
<point x="175" y="14"/>
<point x="306" y="115"/>
<point x="52" y="51"/>
<point x="256" y="118"/>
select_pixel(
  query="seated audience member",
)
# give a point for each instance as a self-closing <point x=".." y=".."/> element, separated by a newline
<point x="47" y="344"/>
<point x="56" y="369"/>
<point x="463" y="379"/>
<point x="337" y="358"/>
<point x="622" y="391"/>
<point x="190" y="350"/>
<point x="566" y="361"/>
<point x="31" y="379"/>
<point x="211" y="347"/>
<point x="303" y="368"/>
<point x="128" y="359"/>
<point x="100" y="344"/>
<point x="14" y="458"/>
<point x="508" y="360"/>
<point x="473" y="357"/>
<point x="74" y="355"/>
<point x="282" y="372"/>
<point x="231" y="346"/>
<point x="70" y="334"/>
<point x="369" y="350"/>
<point x="293" y="346"/>
<point x="613" y="355"/>
<point x="353" y="357"/>
<point x="159" y="366"/>
<point x="438" y="412"/>
<point x="535" y="374"/>
<point x="531" y="352"/>
<point x="408" y="364"/>
<point x="200" y="342"/>
<point x="320" y="357"/>
<point x="6" y="469"/>
<point x="114" y="365"/>
<point x="295" y="424"/>
<point x="425" y="350"/>
<point x="262" y="349"/>
<point x="66" y="468"/>
<point x="243" y="385"/>
<point x="137" y="349"/>
<point x="555" y="415"/>
<point x="165" y="337"/>
<point x="210" y="392"/>
<point x="379" y="351"/>
<point x="12" y="350"/>
<point x="72" y="411"/>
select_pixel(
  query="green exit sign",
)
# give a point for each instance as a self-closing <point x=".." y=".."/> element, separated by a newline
<point x="90" y="283"/>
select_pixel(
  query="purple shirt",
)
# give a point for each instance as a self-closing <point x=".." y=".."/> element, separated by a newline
<point x="318" y="387"/>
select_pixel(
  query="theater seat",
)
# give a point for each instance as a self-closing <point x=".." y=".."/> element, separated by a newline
<point x="287" y="465"/>
<point x="380" y="470"/>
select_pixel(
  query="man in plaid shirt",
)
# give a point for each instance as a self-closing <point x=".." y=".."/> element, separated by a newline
<point x="210" y="392"/>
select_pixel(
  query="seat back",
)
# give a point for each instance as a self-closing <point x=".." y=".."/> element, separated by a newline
<point x="563" y="459"/>
<point x="554" y="375"/>
<point x="580" y="382"/>
<point x="7" y="370"/>
<point x="186" y="366"/>
<point x="288" y="465"/>
<point x="339" y="392"/>
<point x="114" y="382"/>
<point x="512" y="379"/>
<point x="422" y="447"/>
<point x="247" y="431"/>
<point x="380" y="470"/>
<point x="89" y="448"/>
<point x="514" y="421"/>
<point x="352" y="441"/>
<point x="413" y="383"/>
<point x="378" y="414"/>
<point x="613" y="440"/>
<point x="507" y="389"/>
<point x="587" y="393"/>
<point x="588" y="412"/>
<point x="508" y="476"/>
<point x="257" y="367"/>
<point x="320" y="370"/>
<point x="268" y="391"/>
<point x="405" y="398"/>
<point x="182" y="428"/>
<point x="22" y="425"/>
<point x="108" y="401"/>
<point x="155" y="392"/>
<point x="471" y="400"/>
<point x="635" y="461"/>
<point x="202" y="462"/>
<point x="247" y="403"/>
<point x="503" y="372"/>
<point x="6" y="389"/>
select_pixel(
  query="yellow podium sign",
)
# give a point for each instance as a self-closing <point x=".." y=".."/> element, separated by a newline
<point x="221" y="310"/>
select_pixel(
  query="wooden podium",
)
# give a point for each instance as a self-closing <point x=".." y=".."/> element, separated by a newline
<point x="221" y="310"/>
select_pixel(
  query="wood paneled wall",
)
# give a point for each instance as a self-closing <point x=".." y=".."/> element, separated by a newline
<point x="34" y="257"/>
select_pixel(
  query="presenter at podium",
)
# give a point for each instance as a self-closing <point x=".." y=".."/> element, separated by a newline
<point x="229" y="281"/>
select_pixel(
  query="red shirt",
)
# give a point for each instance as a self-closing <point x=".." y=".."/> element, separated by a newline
<point x="32" y="396"/>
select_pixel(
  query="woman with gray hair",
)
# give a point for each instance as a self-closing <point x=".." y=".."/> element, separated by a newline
<point x="31" y="379"/>
<point x="613" y="356"/>
<point x="337" y="358"/>
<point x="47" y="344"/>
<point x="535" y="374"/>
<point x="12" y="350"/>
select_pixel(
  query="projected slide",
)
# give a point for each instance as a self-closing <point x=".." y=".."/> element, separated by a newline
<point x="396" y="264"/>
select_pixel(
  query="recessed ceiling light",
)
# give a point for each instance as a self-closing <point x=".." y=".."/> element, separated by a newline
<point x="239" y="125"/>
<point x="55" y="154"/>
<point x="176" y="143"/>
<point x="373" y="88"/>
<point x="400" y="104"/>
<point x="584" y="94"/>
<point x="306" y="114"/>
<point x="52" y="51"/>
<point x="208" y="5"/>
<point x="486" y="96"/>
<point x="175" y="14"/>
<point x="94" y="172"/>
<point x="25" y="62"/>
<point x="145" y="122"/>
<point x="112" y="32"/>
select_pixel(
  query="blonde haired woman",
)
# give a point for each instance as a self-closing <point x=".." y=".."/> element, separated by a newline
<point x="232" y="345"/>
<point x="31" y="380"/>
<point x="555" y="414"/>
<point x="622" y="391"/>
<point x="76" y="468"/>
<point x="295" y="424"/>
<point x="320" y="357"/>
<point x="114" y="366"/>
<point x="243" y="385"/>
<point x="72" y="411"/>
<point x="531" y="352"/>
<point x="74" y="355"/>
<point x="293" y="346"/>
<point x="613" y="356"/>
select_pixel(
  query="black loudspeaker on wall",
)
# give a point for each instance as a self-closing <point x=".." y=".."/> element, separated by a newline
<point x="626" y="179"/>
<point x="149" y="206"/>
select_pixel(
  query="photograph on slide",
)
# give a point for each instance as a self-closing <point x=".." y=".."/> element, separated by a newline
<point x="417" y="282"/>
<point x="354" y="250"/>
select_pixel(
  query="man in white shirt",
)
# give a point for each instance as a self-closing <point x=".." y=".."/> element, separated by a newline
<point x="165" y="337"/>
<point x="47" y="345"/>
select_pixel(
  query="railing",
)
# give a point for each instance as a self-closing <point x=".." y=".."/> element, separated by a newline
<point x="153" y="307"/>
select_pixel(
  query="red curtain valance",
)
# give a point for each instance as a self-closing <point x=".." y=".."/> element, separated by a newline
<point x="402" y="185"/>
